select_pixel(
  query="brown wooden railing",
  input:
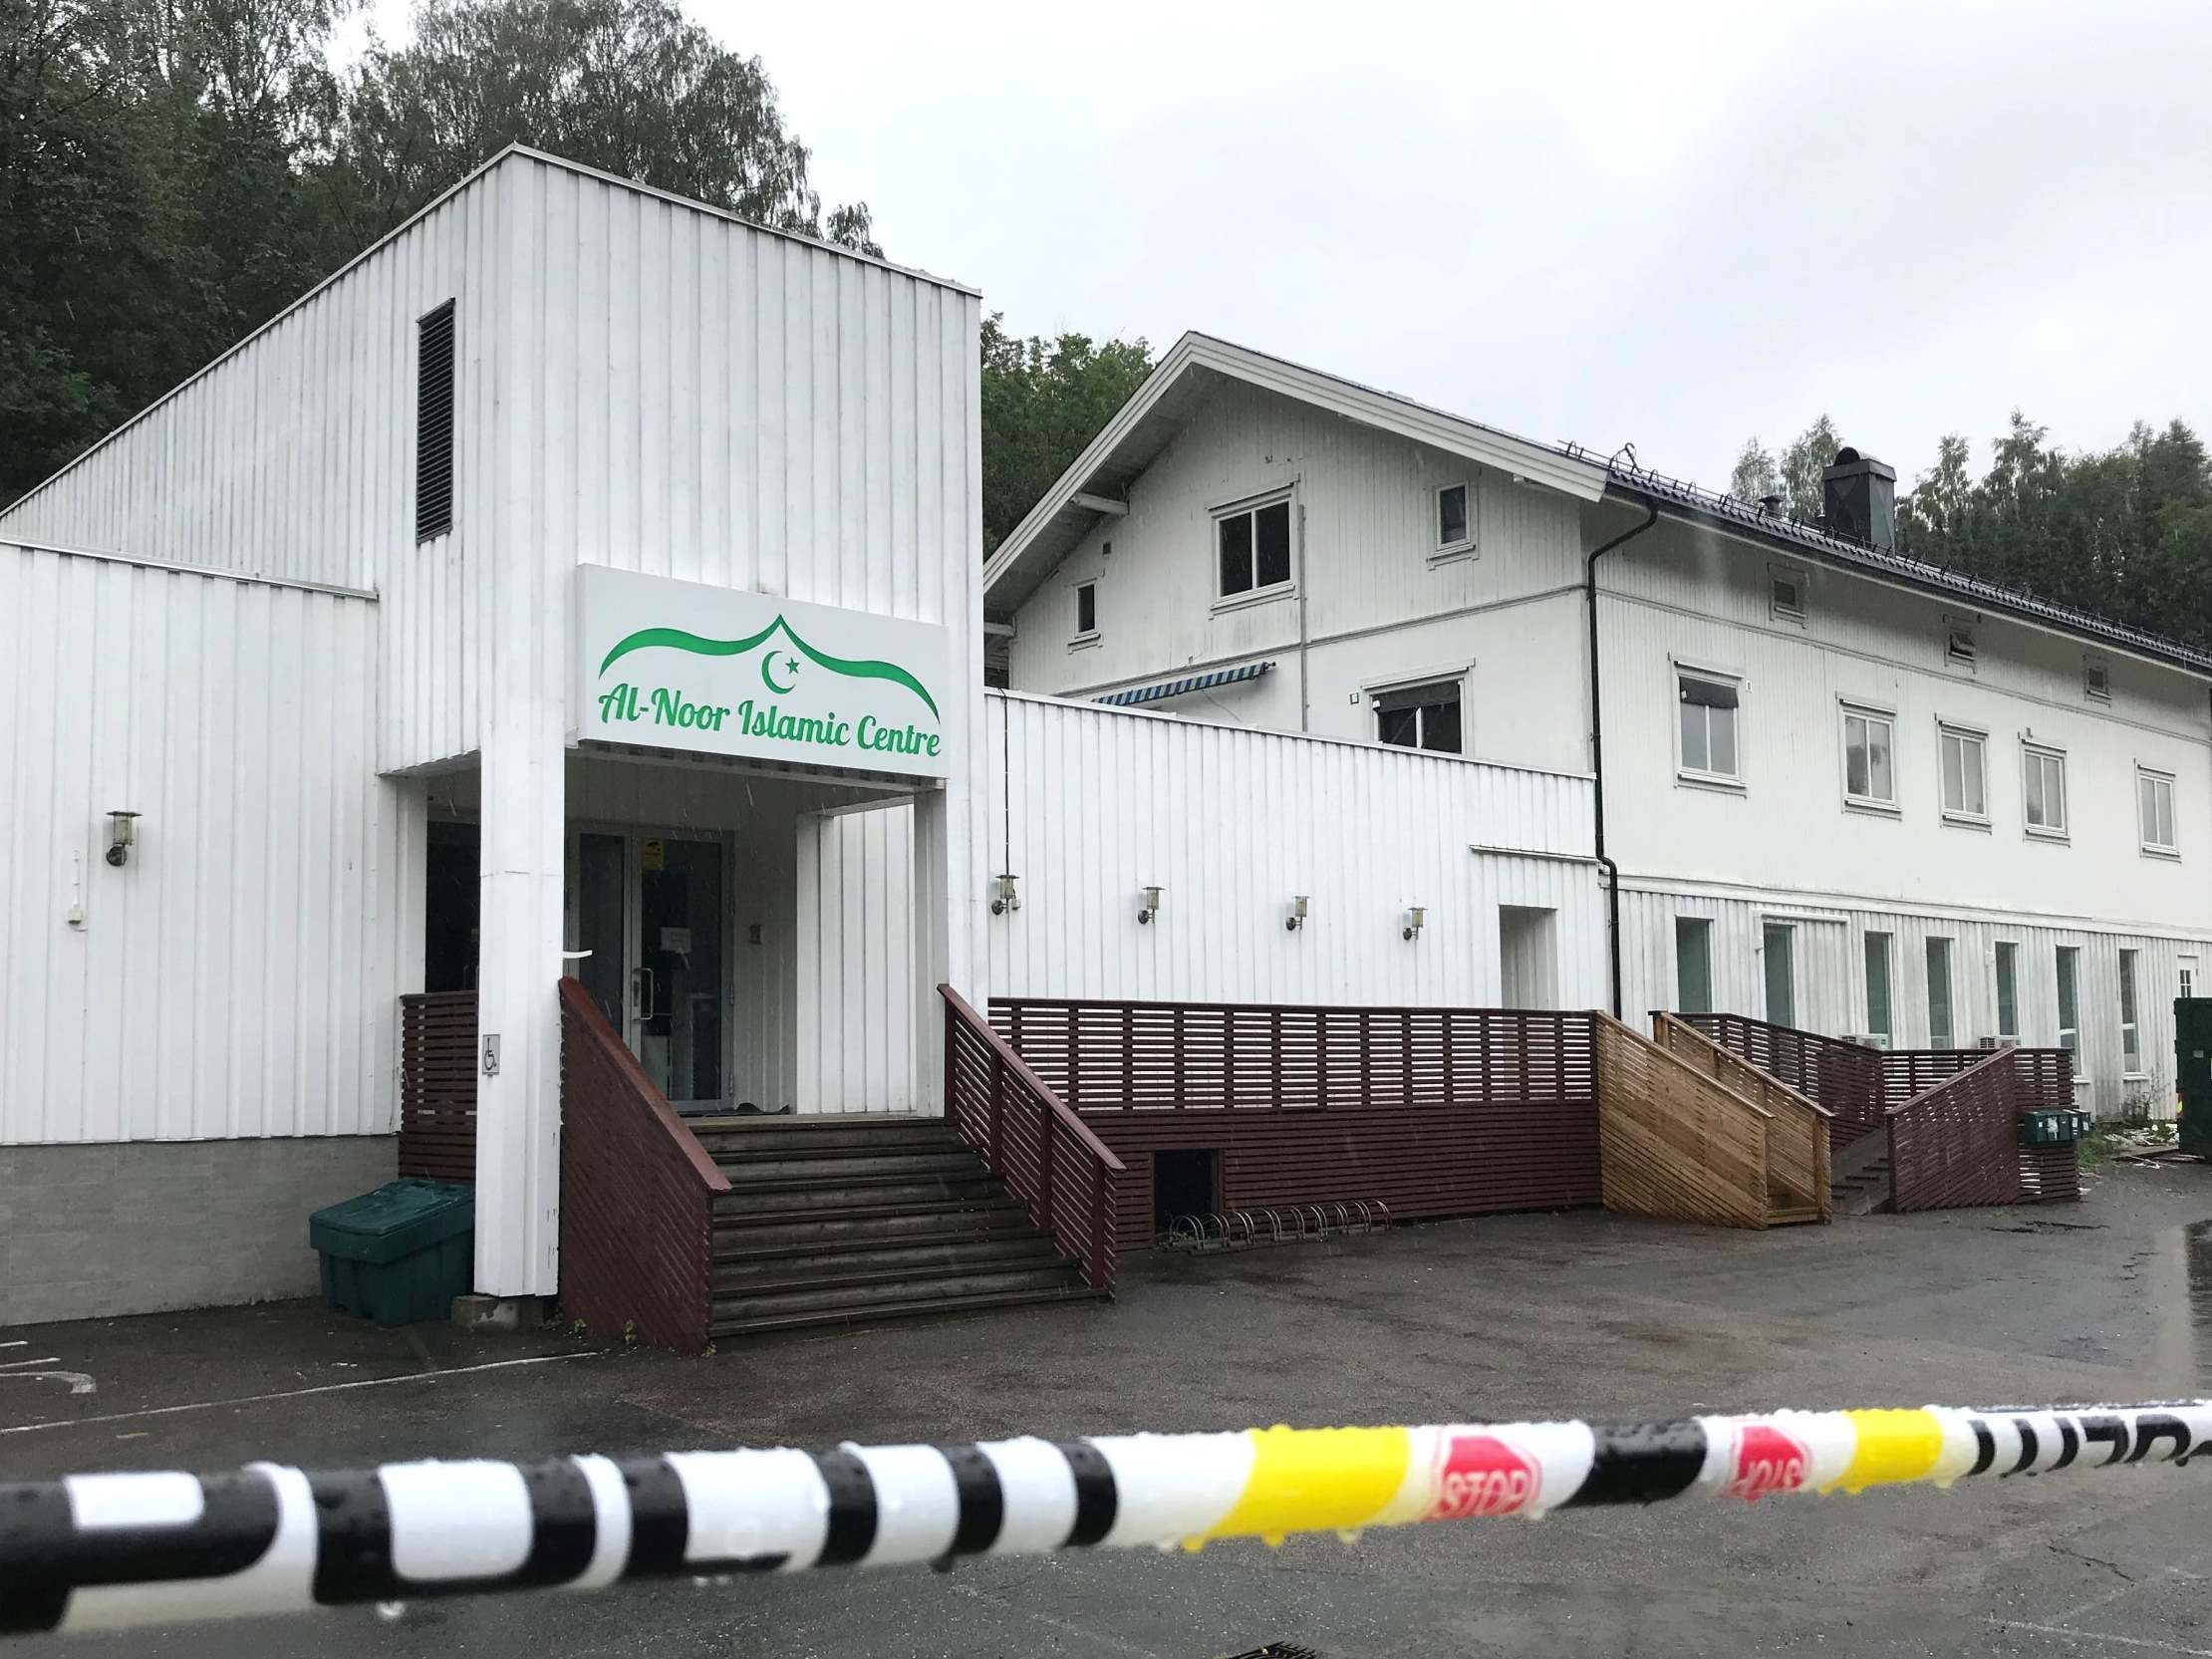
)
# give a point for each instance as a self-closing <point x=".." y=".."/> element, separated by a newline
<point x="1957" y="1144"/>
<point x="1797" y="1132"/>
<point x="1844" y="1079"/>
<point x="1034" y="1142"/>
<point x="437" y="1085"/>
<point x="637" y="1191"/>
<point x="1678" y="1144"/>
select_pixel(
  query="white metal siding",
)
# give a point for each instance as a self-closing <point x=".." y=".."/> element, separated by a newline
<point x="236" y="977"/>
<point x="856" y="962"/>
<point x="1233" y="823"/>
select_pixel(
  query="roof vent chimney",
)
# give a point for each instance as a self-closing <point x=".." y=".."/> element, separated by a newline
<point x="1770" y="506"/>
<point x="1859" y="495"/>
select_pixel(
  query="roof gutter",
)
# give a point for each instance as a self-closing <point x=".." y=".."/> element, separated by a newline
<point x="1598" y="752"/>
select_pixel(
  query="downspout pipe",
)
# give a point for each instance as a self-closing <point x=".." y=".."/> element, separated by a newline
<point x="1598" y="752"/>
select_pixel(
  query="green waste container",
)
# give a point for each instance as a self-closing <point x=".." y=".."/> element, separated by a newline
<point x="2053" y="1125"/>
<point x="400" y="1253"/>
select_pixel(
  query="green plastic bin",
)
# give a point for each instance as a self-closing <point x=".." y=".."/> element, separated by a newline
<point x="400" y="1253"/>
<point x="2053" y="1125"/>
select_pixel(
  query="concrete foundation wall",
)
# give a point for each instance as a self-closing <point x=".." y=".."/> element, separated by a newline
<point x="87" y="1232"/>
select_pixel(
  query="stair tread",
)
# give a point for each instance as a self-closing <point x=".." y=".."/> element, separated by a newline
<point x="1038" y="1260"/>
<point x="746" y="1325"/>
<point x="875" y="1291"/>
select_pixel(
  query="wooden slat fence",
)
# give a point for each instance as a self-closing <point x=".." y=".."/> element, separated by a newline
<point x="1678" y="1143"/>
<point x="1796" y="1132"/>
<point x="1844" y="1079"/>
<point x="1432" y="1111"/>
<point x="1957" y="1144"/>
<point x="437" y="1085"/>
<point x="638" y="1192"/>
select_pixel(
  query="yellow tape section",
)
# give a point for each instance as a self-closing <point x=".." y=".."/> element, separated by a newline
<point x="1893" y="1446"/>
<point x="1313" y="1480"/>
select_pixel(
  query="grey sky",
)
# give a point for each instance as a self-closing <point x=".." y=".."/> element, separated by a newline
<point x="1676" y="223"/>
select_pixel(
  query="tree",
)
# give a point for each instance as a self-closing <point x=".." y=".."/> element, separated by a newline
<point x="1801" y="465"/>
<point x="1754" y="477"/>
<point x="1042" y="400"/>
<point x="632" y="86"/>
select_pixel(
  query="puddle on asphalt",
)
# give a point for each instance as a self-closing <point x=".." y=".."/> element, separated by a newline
<point x="2185" y="1303"/>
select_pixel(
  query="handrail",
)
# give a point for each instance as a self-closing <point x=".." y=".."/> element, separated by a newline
<point x="595" y="1025"/>
<point x="1673" y="1023"/>
<point x="1996" y="1055"/>
<point x="1011" y="1058"/>
<point x="1119" y="1002"/>
<point x="1742" y="1100"/>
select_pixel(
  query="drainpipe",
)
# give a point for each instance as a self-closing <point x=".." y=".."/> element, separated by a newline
<point x="1597" y="753"/>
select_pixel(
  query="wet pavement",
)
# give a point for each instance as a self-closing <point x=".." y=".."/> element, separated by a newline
<point x="1581" y="1314"/>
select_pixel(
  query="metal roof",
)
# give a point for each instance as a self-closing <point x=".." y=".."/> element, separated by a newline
<point x="1727" y="512"/>
<point x="1175" y="687"/>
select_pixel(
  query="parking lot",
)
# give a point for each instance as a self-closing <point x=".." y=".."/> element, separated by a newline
<point x="1581" y="1314"/>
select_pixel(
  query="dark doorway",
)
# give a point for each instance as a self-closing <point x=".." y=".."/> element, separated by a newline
<point x="452" y="901"/>
<point x="1185" y="1182"/>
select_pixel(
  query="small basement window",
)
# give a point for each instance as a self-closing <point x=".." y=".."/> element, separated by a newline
<point x="1186" y="1180"/>
<point x="1453" y="532"/>
<point x="433" y="423"/>
<point x="1086" y="612"/>
<point x="1253" y="547"/>
<point x="1420" y="717"/>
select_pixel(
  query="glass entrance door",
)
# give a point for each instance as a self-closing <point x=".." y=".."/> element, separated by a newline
<point x="649" y="911"/>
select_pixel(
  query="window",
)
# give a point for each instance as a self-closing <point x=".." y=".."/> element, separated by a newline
<point x="2070" y="1021"/>
<point x="1693" y="965"/>
<point x="1939" y="994"/>
<point x="2185" y="972"/>
<point x="2008" y="991"/>
<point x="2154" y="804"/>
<point x="1708" y="726"/>
<point x="433" y="423"/>
<point x="1877" y="987"/>
<point x="1958" y="645"/>
<point x="1254" y="548"/>
<point x="2096" y="680"/>
<point x="1453" y="534"/>
<point x="1782" y="974"/>
<point x="1086" y="612"/>
<point x="1965" y="774"/>
<point x="1869" y="774"/>
<point x="2131" y="1031"/>
<point x="1785" y="593"/>
<point x="1419" y="716"/>
<point x="2043" y="776"/>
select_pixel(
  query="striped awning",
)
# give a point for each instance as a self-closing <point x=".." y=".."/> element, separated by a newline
<point x="1175" y="687"/>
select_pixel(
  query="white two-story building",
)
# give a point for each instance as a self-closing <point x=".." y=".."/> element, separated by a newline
<point x="1837" y="788"/>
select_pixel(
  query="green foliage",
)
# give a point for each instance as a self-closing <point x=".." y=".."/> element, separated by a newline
<point x="1042" y="400"/>
<point x="1754" y="476"/>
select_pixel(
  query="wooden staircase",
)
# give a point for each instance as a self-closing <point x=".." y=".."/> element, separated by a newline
<point x="835" y="1218"/>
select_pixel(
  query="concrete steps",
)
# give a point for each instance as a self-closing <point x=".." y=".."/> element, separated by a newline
<point x="1858" y="1176"/>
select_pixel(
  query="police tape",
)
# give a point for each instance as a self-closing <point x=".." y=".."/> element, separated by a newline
<point x="110" y="1551"/>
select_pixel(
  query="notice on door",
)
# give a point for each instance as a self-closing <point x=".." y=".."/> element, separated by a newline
<point x="721" y="671"/>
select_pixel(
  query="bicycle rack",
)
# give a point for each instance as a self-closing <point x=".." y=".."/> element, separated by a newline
<point x="1240" y="1229"/>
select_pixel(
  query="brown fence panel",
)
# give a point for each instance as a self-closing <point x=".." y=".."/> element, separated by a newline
<point x="1908" y="1073"/>
<point x="1958" y="1144"/>
<point x="1797" y="1134"/>
<point x="2050" y="1174"/>
<point x="437" y="1085"/>
<point x="1431" y="1111"/>
<point x="637" y="1191"/>
<point x="1678" y="1144"/>
<point x="1844" y="1079"/>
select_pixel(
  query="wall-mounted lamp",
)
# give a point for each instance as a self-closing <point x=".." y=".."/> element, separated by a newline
<point x="120" y="836"/>
<point x="1417" y="918"/>
<point x="1010" y="896"/>
<point x="1296" y="919"/>
<point x="1150" y="907"/>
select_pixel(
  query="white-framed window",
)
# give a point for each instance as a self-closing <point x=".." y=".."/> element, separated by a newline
<point x="1940" y="1028"/>
<point x="1423" y="716"/>
<point x="1959" y="648"/>
<point x="1454" y="519"/>
<point x="2043" y="773"/>
<point x="2008" y="990"/>
<point x="1880" y="1020"/>
<point x="1778" y="950"/>
<point x="2131" y="1030"/>
<point x="1707" y="749"/>
<point x="2070" y="1005"/>
<point x="2155" y="808"/>
<point x="1965" y="762"/>
<point x="2185" y="977"/>
<point x="1869" y="757"/>
<point x="2096" y="680"/>
<point x="1693" y="965"/>
<point x="1251" y="547"/>
<point x="1786" y="594"/>
<point x="1084" y="607"/>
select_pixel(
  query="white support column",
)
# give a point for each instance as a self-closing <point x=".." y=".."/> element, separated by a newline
<point x="932" y="947"/>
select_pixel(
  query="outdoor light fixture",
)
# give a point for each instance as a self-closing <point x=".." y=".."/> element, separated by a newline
<point x="1010" y="896"/>
<point x="1417" y="918"/>
<point x="1151" y="904"/>
<point x="1296" y="919"/>
<point x="120" y="837"/>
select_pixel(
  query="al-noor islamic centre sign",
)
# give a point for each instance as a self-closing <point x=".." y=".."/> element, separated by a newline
<point x="683" y="666"/>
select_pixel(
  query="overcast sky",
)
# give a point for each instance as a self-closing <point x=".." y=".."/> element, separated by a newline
<point x="1677" y="224"/>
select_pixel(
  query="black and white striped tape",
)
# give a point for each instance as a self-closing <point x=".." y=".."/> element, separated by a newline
<point x="107" y="1551"/>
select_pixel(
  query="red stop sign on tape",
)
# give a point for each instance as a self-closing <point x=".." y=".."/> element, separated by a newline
<point x="1480" y="1475"/>
<point x="1766" y="1460"/>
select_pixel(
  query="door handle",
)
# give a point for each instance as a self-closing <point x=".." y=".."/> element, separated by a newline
<point x="648" y="991"/>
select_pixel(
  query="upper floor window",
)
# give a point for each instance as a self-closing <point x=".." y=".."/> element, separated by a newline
<point x="1965" y="774"/>
<point x="1708" y="726"/>
<point x="2044" y="775"/>
<point x="1785" y="593"/>
<point x="1086" y="613"/>
<point x="2154" y="805"/>
<point x="1958" y="644"/>
<point x="2096" y="680"/>
<point x="1252" y="544"/>
<point x="1423" y="716"/>
<point x="1869" y="769"/>
<point x="1455" y="528"/>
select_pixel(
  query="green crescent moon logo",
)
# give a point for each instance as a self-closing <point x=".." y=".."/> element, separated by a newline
<point x="767" y="679"/>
